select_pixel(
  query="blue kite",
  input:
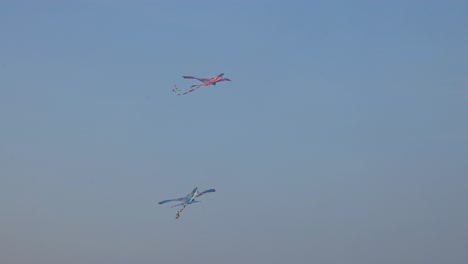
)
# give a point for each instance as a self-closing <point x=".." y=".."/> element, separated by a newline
<point x="186" y="200"/>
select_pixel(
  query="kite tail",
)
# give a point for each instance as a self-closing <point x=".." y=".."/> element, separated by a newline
<point x="175" y="89"/>
<point x="178" y="204"/>
<point x="180" y="211"/>
<point x="179" y="92"/>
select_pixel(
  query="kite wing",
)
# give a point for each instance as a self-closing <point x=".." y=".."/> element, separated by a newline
<point x="207" y="191"/>
<point x="200" y="79"/>
<point x="174" y="200"/>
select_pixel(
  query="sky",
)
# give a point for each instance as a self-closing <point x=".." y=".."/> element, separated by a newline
<point x="342" y="138"/>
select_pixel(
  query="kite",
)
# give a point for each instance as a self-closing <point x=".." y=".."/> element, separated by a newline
<point x="205" y="82"/>
<point x="186" y="200"/>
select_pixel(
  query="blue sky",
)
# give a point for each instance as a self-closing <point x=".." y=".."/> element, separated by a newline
<point x="342" y="137"/>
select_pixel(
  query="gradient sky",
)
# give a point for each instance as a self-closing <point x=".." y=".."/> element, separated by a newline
<point x="342" y="138"/>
